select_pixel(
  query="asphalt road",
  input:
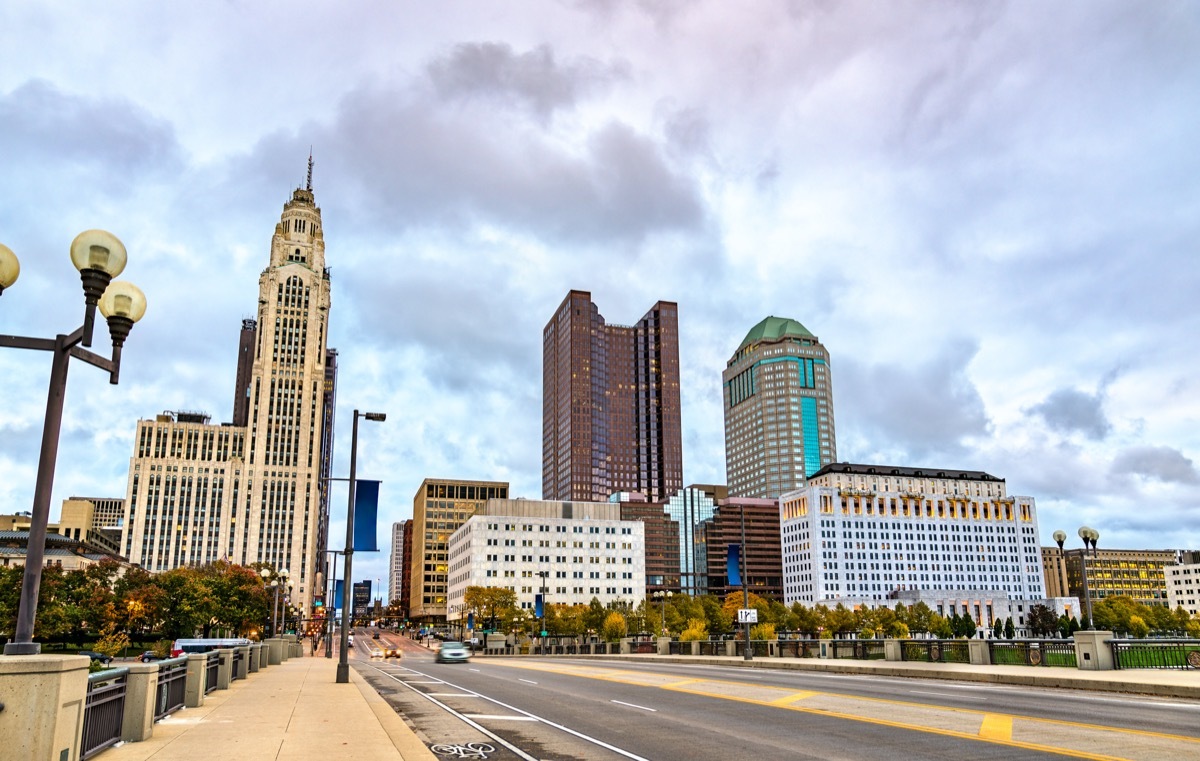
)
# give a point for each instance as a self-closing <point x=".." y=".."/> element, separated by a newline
<point x="562" y="708"/>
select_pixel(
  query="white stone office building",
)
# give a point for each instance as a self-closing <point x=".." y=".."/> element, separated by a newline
<point x="1183" y="583"/>
<point x="396" y="562"/>
<point x="584" y="549"/>
<point x="867" y="532"/>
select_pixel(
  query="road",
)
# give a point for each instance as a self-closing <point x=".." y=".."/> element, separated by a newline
<point x="564" y="708"/>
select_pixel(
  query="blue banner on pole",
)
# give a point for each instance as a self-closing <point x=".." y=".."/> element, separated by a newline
<point x="337" y="594"/>
<point x="366" y="508"/>
<point x="733" y="566"/>
<point x="539" y="609"/>
<point x="470" y="620"/>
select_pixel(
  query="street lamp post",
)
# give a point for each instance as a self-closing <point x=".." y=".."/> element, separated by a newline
<point x="748" y="653"/>
<point x="542" y="624"/>
<point x="277" y="580"/>
<point x="1089" y="536"/>
<point x="99" y="256"/>
<point x="328" y="605"/>
<point x="662" y="595"/>
<point x="343" y="668"/>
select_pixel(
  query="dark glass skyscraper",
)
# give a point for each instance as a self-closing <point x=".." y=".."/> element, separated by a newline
<point x="610" y="404"/>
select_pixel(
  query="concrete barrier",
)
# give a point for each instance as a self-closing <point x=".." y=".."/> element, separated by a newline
<point x="224" y="668"/>
<point x="141" y="695"/>
<point x="43" y="698"/>
<point x="1092" y="650"/>
<point x="197" y="673"/>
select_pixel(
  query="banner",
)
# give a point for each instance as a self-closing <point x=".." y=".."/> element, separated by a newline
<point x="470" y="620"/>
<point x="538" y="606"/>
<point x="366" y="508"/>
<point x="337" y="594"/>
<point x="733" y="566"/>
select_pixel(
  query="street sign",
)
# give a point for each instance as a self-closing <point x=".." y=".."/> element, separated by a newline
<point x="747" y="615"/>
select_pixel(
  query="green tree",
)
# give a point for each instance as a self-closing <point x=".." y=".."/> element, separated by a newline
<point x="1042" y="621"/>
<point x="841" y="620"/>
<point x="920" y="618"/>
<point x="898" y="630"/>
<point x="1138" y="626"/>
<point x="595" y="615"/>
<point x="715" y="617"/>
<point x="997" y="628"/>
<point x="1010" y="630"/>
<point x="696" y="629"/>
<point x="763" y="631"/>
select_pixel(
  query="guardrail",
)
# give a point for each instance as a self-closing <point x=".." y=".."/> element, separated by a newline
<point x="935" y="650"/>
<point x="172" y="686"/>
<point x="1156" y="654"/>
<point x="104" y="710"/>
<point x="1033" y="652"/>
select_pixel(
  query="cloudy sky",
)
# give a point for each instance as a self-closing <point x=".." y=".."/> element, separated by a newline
<point x="988" y="212"/>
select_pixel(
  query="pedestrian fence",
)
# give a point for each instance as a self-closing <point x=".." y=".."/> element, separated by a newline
<point x="1156" y="654"/>
<point x="1049" y="652"/>
<point x="104" y="710"/>
<point x="172" y="686"/>
<point x="211" y="671"/>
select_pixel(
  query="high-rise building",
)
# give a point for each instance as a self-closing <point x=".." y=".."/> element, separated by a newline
<point x="610" y="404"/>
<point x="440" y="506"/>
<point x="661" y="540"/>
<point x="406" y="566"/>
<point x="396" y="561"/>
<point x="870" y="532"/>
<point x="778" y="410"/>
<point x="361" y="599"/>
<point x="251" y="493"/>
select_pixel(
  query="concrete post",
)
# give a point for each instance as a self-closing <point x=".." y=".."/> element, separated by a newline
<point x="893" y="650"/>
<point x="275" y="651"/>
<point x="664" y="645"/>
<point x="254" y="655"/>
<point x="43" y="697"/>
<point x="197" y="668"/>
<point x="695" y="647"/>
<point x="731" y="647"/>
<point x="225" y="669"/>
<point x="243" y="667"/>
<point x="141" y="700"/>
<point x="264" y="652"/>
<point x="979" y="652"/>
<point x="1092" y="651"/>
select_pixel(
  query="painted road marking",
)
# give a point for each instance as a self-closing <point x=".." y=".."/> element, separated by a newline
<point x="996" y="727"/>
<point x="634" y="705"/>
<point x="793" y="698"/>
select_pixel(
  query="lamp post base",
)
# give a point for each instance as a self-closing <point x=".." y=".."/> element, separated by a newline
<point x="23" y="648"/>
<point x="343" y="673"/>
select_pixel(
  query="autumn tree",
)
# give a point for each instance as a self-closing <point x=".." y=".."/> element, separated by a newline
<point x="490" y="604"/>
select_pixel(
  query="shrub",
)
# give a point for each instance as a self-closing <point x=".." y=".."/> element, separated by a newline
<point x="697" y="629"/>
<point x="762" y="631"/>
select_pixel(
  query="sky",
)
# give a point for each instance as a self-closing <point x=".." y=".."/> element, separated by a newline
<point x="986" y="211"/>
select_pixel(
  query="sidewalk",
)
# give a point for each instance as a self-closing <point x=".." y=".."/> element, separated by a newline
<point x="293" y="711"/>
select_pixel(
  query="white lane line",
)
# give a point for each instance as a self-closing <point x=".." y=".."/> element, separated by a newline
<point x="514" y="749"/>
<point x="530" y="681"/>
<point x="634" y="705"/>
<point x="497" y="717"/>
<point x="450" y="694"/>
<point x="474" y="669"/>
<point x="412" y="681"/>
<point x="948" y="695"/>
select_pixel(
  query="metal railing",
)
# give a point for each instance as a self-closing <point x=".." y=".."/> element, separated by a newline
<point x="711" y="647"/>
<point x="935" y="650"/>
<point x="1156" y="654"/>
<point x="172" y="686"/>
<point x="104" y="710"/>
<point x="210" y="672"/>
<point x="799" y="648"/>
<point x="1033" y="652"/>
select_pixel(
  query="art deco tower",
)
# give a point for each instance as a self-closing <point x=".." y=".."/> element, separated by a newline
<point x="778" y="410"/>
<point x="251" y="491"/>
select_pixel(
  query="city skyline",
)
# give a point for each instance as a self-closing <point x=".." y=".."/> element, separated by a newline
<point x="991" y="240"/>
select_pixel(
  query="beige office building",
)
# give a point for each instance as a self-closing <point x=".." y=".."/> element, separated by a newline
<point x="440" y="507"/>
<point x="250" y="493"/>
<point x="1105" y="573"/>
<point x="778" y="399"/>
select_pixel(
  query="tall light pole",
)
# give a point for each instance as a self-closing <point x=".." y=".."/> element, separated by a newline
<point x="542" y="625"/>
<point x="748" y="653"/>
<point x="99" y="256"/>
<point x="343" y="668"/>
<point x="1089" y="536"/>
<point x="329" y="604"/>
<point x="277" y="579"/>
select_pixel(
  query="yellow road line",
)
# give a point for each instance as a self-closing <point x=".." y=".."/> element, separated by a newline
<point x="996" y="727"/>
<point x="792" y="698"/>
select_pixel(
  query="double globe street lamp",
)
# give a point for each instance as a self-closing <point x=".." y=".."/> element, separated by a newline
<point x="276" y="583"/>
<point x="1089" y="536"/>
<point x="99" y="256"/>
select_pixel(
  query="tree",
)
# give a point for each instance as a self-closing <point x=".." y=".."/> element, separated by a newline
<point x="1042" y="621"/>
<point x="491" y="604"/>
<point x="1138" y="626"/>
<point x="841" y="620"/>
<point x="696" y="629"/>
<point x="920" y="618"/>
<point x="716" y="619"/>
<point x="614" y="627"/>
<point x="897" y="630"/>
<point x="1010" y="630"/>
<point x="595" y="615"/>
<point x="997" y="628"/>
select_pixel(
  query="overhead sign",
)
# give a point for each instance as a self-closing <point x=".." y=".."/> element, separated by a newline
<point x="747" y="616"/>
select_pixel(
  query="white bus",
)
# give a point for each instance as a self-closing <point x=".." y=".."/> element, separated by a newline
<point x="181" y="646"/>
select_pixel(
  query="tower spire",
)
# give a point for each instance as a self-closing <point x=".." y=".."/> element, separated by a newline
<point x="308" y="184"/>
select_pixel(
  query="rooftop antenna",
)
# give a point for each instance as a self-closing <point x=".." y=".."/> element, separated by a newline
<point x="308" y="185"/>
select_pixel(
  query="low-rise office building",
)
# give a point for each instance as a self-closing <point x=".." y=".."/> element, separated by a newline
<point x="1103" y="573"/>
<point x="1183" y="583"/>
<point x="571" y="551"/>
<point x="869" y="531"/>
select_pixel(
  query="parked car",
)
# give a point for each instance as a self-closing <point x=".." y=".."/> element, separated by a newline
<point x="148" y="656"/>
<point x="104" y="659"/>
<point x="452" y="652"/>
